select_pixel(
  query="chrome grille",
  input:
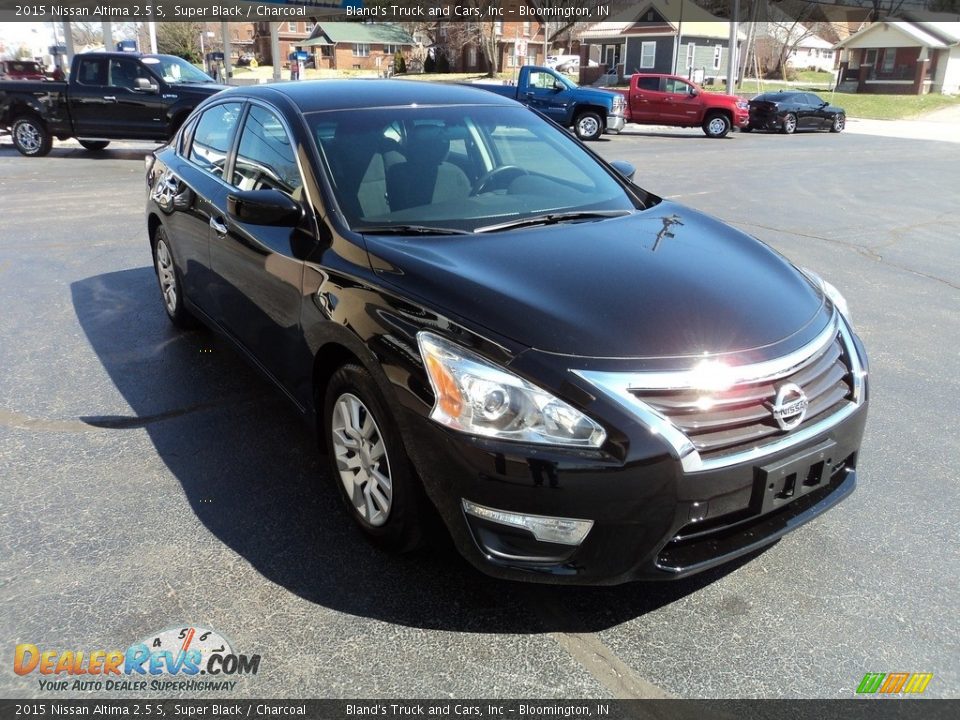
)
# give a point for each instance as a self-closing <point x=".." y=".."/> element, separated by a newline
<point x="730" y="421"/>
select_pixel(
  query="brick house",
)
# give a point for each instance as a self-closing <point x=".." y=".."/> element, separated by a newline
<point x="291" y="35"/>
<point x="356" y="46"/>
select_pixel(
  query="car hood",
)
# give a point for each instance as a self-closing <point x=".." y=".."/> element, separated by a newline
<point x="665" y="282"/>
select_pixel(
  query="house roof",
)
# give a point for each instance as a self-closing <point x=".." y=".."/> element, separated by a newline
<point x="331" y="33"/>
<point x="682" y="16"/>
<point x="924" y="34"/>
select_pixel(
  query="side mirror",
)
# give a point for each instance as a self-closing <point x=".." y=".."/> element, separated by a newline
<point x="144" y="85"/>
<point x="693" y="91"/>
<point x="624" y="168"/>
<point x="824" y="104"/>
<point x="558" y="86"/>
<point x="264" y="207"/>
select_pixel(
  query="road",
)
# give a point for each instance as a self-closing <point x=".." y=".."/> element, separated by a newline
<point x="154" y="481"/>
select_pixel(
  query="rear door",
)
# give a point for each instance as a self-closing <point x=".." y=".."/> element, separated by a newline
<point x="89" y="98"/>
<point x="644" y="94"/>
<point x="189" y="191"/>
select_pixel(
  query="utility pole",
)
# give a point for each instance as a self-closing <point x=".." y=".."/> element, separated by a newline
<point x="732" y="50"/>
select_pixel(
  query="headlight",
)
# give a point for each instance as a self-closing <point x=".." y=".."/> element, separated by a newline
<point x="834" y="295"/>
<point x="475" y="396"/>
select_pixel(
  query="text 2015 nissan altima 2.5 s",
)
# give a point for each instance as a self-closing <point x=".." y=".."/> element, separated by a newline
<point x="590" y="384"/>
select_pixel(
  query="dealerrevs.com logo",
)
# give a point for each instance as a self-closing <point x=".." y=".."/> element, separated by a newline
<point x="188" y="658"/>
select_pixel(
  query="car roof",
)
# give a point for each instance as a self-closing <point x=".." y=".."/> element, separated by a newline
<point x="346" y="94"/>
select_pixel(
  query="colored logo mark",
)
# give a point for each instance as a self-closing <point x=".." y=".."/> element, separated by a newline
<point x="894" y="683"/>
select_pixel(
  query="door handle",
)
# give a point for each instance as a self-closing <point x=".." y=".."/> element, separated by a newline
<point x="111" y="98"/>
<point x="218" y="225"/>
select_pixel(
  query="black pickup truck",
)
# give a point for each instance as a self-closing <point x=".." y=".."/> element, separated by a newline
<point x="109" y="96"/>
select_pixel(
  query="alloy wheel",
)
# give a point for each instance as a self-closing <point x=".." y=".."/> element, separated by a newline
<point x="28" y="137"/>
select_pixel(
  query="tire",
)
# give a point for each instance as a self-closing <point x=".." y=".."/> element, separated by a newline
<point x="839" y="123"/>
<point x="716" y="126"/>
<point x="368" y="462"/>
<point x="30" y="136"/>
<point x="789" y="126"/>
<point x="171" y="285"/>
<point x="94" y="145"/>
<point x="588" y="125"/>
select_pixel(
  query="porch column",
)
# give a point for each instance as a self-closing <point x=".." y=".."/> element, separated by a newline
<point x="920" y="74"/>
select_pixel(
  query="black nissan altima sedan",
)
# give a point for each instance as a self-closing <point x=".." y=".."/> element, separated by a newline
<point x="589" y="383"/>
<point x="789" y="111"/>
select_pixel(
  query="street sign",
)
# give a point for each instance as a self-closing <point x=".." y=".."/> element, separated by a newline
<point x="521" y="46"/>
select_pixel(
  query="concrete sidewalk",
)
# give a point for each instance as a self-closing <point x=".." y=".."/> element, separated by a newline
<point x="942" y="125"/>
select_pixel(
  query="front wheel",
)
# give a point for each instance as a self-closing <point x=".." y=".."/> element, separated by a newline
<point x="588" y="125"/>
<point x="31" y="137"/>
<point x="839" y="123"/>
<point x="368" y="461"/>
<point x="789" y="124"/>
<point x="716" y="126"/>
<point x="94" y="145"/>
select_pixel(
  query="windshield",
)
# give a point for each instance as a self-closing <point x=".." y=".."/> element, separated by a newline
<point x="460" y="168"/>
<point x="175" y="70"/>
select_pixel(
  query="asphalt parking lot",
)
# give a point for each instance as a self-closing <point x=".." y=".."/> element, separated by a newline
<point x="152" y="480"/>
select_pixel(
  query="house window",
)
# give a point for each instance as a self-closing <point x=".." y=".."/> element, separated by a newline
<point x="392" y="49"/>
<point x="648" y="55"/>
<point x="691" y="52"/>
<point x="717" y="56"/>
<point x="326" y="51"/>
<point x="361" y="49"/>
<point x="498" y="27"/>
<point x="291" y="26"/>
<point x="526" y="29"/>
<point x="870" y="58"/>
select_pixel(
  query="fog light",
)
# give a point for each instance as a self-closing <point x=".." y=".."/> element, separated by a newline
<point x="564" y="531"/>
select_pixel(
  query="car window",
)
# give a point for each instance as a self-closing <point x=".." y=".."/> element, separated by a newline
<point x="813" y="100"/>
<point x="677" y="87"/>
<point x="541" y="80"/>
<point x="265" y="156"/>
<point x="649" y="83"/>
<point x="93" y="71"/>
<point x="186" y="134"/>
<point x="213" y="136"/>
<point x="124" y="73"/>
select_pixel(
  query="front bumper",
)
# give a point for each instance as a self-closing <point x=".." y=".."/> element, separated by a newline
<point x="651" y="519"/>
<point x="741" y="118"/>
<point x="615" y="123"/>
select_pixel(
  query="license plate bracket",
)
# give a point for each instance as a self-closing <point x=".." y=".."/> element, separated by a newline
<point x="784" y="481"/>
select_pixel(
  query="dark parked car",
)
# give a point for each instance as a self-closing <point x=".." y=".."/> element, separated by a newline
<point x="789" y="111"/>
<point x="590" y="384"/>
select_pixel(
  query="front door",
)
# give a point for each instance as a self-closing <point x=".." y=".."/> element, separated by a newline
<point x="258" y="271"/>
<point x="679" y="105"/>
<point x="543" y="95"/>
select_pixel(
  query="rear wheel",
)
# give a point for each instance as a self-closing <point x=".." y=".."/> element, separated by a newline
<point x="716" y="125"/>
<point x="30" y="136"/>
<point x="94" y="145"/>
<point x="368" y="461"/>
<point x="839" y="123"/>
<point x="789" y="124"/>
<point x="588" y="125"/>
<point x="171" y="288"/>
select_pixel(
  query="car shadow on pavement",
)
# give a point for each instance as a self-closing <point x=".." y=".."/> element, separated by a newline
<point x="253" y="476"/>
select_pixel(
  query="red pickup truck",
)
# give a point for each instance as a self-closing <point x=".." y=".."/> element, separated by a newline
<point x="672" y="100"/>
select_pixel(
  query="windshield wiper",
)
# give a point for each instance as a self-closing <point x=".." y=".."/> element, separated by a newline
<point x="408" y="230"/>
<point x="553" y="219"/>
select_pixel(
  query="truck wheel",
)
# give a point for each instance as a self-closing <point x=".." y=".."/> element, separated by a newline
<point x="94" y="145"/>
<point x="716" y="126"/>
<point x="30" y="136"/>
<point x="368" y="462"/>
<point x="789" y="124"/>
<point x="588" y="125"/>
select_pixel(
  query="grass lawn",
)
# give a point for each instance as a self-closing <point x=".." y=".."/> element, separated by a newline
<point x="877" y="107"/>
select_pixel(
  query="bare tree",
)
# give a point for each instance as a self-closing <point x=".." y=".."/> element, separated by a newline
<point x="181" y="39"/>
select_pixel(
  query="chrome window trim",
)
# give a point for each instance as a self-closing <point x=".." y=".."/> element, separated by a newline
<point x="618" y="386"/>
